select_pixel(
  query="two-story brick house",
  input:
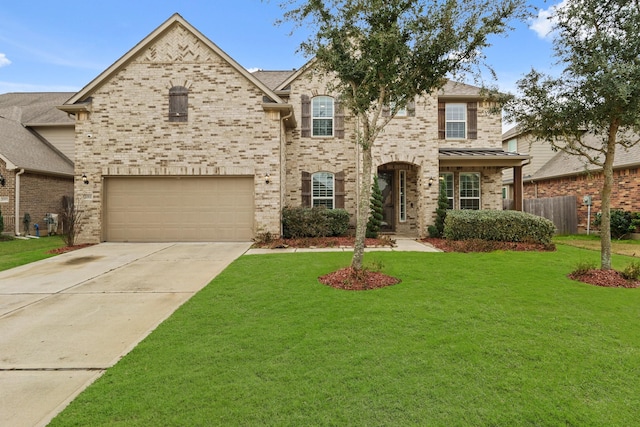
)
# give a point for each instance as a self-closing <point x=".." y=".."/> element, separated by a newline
<point x="179" y="142"/>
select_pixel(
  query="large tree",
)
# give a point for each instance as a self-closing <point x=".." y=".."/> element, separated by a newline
<point x="594" y="105"/>
<point x="384" y="53"/>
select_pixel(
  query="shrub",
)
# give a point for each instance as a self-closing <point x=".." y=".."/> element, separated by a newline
<point x="632" y="271"/>
<point x="583" y="267"/>
<point x="437" y="230"/>
<point x="622" y="223"/>
<point x="302" y="222"/>
<point x="338" y="221"/>
<point x="505" y="226"/>
<point x="1" y="223"/>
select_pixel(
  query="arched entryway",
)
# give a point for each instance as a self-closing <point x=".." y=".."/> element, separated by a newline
<point x="398" y="184"/>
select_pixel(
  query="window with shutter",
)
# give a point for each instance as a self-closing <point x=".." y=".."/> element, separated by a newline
<point x="457" y="120"/>
<point x="322" y="116"/>
<point x="178" y="104"/>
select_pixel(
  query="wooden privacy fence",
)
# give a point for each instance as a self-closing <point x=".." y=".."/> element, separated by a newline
<point x="562" y="211"/>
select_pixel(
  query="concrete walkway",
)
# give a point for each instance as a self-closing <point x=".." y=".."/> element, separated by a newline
<point x="402" y="244"/>
<point x="66" y="319"/>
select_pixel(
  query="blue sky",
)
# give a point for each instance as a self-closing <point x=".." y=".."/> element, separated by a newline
<point x="62" y="46"/>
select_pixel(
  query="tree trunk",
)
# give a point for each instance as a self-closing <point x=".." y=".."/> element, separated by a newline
<point x="607" y="170"/>
<point x="363" y="207"/>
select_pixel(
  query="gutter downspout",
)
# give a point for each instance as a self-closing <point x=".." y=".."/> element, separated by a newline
<point x="17" y="200"/>
<point x="283" y="158"/>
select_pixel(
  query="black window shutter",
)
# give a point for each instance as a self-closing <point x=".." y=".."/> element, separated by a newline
<point x="339" y="120"/>
<point x="339" y="190"/>
<point x="305" y="123"/>
<point x="306" y="189"/>
<point x="442" y="107"/>
<point x="472" y="120"/>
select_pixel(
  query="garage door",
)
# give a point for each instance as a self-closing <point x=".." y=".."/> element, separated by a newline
<point x="178" y="209"/>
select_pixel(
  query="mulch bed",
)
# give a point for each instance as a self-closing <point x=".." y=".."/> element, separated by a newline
<point x="322" y="242"/>
<point x="478" y="245"/>
<point x="357" y="280"/>
<point x="605" y="278"/>
<point x="66" y="249"/>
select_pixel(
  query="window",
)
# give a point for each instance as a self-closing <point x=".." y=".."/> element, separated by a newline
<point x="403" y="195"/>
<point x="322" y="189"/>
<point x="512" y="146"/>
<point x="322" y="116"/>
<point x="447" y="178"/>
<point x="178" y="104"/>
<point x="470" y="191"/>
<point x="456" y="121"/>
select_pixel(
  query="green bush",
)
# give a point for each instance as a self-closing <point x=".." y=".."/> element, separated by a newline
<point x="437" y="230"/>
<point x="632" y="271"/>
<point x="622" y="223"/>
<point x="338" y="221"/>
<point x="505" y="226"/>
<point x="302" y="222"/>
<point x="1" y="223"/>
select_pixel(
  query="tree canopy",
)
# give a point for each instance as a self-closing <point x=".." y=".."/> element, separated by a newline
<point x="593" y="106"/>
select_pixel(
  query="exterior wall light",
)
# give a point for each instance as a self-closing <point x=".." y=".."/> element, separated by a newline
<point x="84" y="178"/>
<point x="267" y="178"/>
<point x="3" y="181"/>
<point x="430" y="181"/>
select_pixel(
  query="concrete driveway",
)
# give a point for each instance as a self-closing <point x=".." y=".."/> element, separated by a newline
<point x="66" y="319"/>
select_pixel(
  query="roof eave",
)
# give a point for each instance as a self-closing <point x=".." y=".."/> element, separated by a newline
<point x="289" y="118"/>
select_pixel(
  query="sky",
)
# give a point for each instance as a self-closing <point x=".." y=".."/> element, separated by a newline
<point x="62" y="46"/>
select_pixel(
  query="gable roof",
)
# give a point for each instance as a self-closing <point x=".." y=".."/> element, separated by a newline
<point x="273" y="78"/>
<point x="21" y="148"/>
<point x="174" y="20"/>
<point x="563" y="164"/>
<point x="35" y="108"/>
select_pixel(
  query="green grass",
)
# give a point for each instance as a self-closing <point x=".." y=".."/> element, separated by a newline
<point x="16" y="252"/>
<point x="499" y="338"/>
<point x="592" y="242"/>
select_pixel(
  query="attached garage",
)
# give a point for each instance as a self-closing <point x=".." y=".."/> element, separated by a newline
<point x="178" y="209"/>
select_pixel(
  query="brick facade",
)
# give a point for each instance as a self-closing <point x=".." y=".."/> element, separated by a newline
<point x="624" y="194"/>
<point x="126" y="131"/>
<point x="39" y="194"/>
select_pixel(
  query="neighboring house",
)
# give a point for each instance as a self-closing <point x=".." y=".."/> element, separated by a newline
<point x="180" y="143"/>
<point x="36" y="158"/>
<point x="555" y="173"/>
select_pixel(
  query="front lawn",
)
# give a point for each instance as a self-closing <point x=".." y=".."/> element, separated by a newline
<point x="15" y="252"/>
<point x="502" y="338"/>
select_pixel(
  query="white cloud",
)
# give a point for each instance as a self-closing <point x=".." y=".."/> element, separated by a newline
<point x="544" y="22"/>
<point x="4" y="60"/>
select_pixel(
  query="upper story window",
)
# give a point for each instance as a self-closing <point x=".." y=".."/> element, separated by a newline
<point x="456" y="121"/>
<point x="512" y="146"/>
<point x="322" y="116"/>
<point x="322" y="185"/>
<point x="178" y="104"/>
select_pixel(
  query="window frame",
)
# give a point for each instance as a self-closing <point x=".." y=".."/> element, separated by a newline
<point x="448" y="120"/>
<point x="317" y="118"/>
<point x="462" y="188"/>
<point x="450" y="191"/>
<point x="512" y="146"/>
<point x="316" y="196"/>
<point x="402" y="196"/>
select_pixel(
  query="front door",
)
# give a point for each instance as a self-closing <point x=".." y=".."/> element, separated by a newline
<point x="385" y="182"/>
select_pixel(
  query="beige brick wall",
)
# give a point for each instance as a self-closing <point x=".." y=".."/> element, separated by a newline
<point x="409" y="140"/>
<point x="227" y="133"/>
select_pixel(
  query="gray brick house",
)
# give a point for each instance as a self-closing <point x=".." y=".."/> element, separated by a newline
<point x="179" y="142"/>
